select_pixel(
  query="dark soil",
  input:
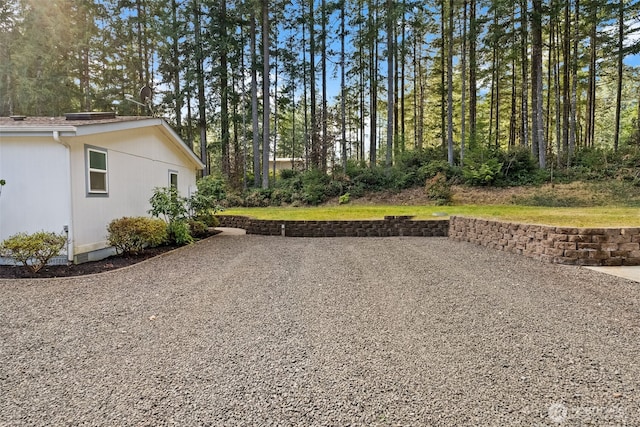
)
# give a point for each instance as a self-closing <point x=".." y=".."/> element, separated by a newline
<point x="107" y="264"/>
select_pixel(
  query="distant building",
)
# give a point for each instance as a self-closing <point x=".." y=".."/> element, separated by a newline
<point x="287" y="163"/>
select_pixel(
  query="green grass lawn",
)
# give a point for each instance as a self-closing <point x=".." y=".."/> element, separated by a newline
<point x="569" y="217"/>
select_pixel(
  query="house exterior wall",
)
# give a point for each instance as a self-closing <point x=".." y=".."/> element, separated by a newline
<point x="138" y="161"/>
<point x="46" y="174"/>
<point x="36" y="196"/>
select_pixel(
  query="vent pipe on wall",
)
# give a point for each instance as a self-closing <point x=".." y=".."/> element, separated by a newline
<point x="68" y="229"/>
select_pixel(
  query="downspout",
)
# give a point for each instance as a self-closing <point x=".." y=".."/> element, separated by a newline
<point x="68" y="228"/>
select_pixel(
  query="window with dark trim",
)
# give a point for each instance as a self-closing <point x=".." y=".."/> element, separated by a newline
<point x="97" y="171"/>
<point x="173" y="179"/>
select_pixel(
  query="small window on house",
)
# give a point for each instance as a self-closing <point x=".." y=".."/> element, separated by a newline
<point x="173" y="179"/>
<point x="97" y="180"/>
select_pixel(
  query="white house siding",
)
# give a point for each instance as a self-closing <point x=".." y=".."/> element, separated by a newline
<point x="138" y="160"/>
<point x="36" y="196"/>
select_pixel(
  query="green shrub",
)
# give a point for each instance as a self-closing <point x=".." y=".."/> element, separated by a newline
<point x="210" y="195"/>
<point x="435" y="167"/>
<point x="130" y="235"/>
<point x="344" y="199"/>
<point x="280" y="196"/>
<point x="257" y="198"/>
<point x="484" y="173"/>
<point x="288" y="174"/>
<point x="439" y="190"/>
<point x="33" y="250"/>
<point x="179" y="232"/>
<point x="208" y="219"/>
<point x="197" y="228"/>
<point x="165" y="201"/>
<point x="233" y="200"/>
<point x="519" y="167"/>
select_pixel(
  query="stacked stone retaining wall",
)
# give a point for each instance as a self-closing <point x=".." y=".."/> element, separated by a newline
<point x="390" y="226"/>
<point x="560" y="245"/>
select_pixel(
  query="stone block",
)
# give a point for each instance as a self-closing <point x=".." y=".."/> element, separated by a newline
<point x="611" y="262"/>
<point x="630" y="231"/>
<point x="588" y="262"/>
<point x="609" y="247"/>
<point x="599" y="255"/>
<point x="629" y="247"/>
<point x="566" y="230"/>
<point x="584" y="254"/>
<point x="559" y="237"/>
<point x="564" y="245"/>
<point x="565" y="261"/>
<point x="583" y="238"/>
<point x="593" y="246"/>
<point x="554" y="252"/>
<point x="593" y="231"/>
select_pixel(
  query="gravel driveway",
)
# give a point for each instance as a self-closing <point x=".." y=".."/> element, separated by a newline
<point x="265" y="331"/>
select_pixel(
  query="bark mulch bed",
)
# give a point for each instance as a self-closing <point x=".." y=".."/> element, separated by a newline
<point x="107" y="264"/>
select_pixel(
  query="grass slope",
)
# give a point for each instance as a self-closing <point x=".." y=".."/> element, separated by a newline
<point x="566" y="217"/>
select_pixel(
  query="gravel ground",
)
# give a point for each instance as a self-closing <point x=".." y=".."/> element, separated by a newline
<point x="266" y="331"/>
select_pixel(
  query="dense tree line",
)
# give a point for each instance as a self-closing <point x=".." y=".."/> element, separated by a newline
<point x="330" y="81"/>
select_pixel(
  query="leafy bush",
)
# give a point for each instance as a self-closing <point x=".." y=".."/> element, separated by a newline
<point x="519" y="167"/>
<point x="210" y="195"/>
<point x="484" y="173"/>
<point x="165" y="201"/>
<point x="439" y="190"/>
<point x="288" y="173"/>
<point x="257" y="198"/>
<point x="33" y="250"/>
<point x="197" y="228"/>
<point x="130" y="235"/>
<point x="233" y="200"/>
<point x="208" y="219"/>
<point x="344" y="199"/>
<point x="179" y="232"/>
<point x="435" y="167"/>
<point x="176" y="209"/>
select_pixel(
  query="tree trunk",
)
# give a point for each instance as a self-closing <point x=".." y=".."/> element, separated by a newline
<point x="538" y="145"/>
<point x="315" y="143"/>
<point x="254" y="100"/>
<point x="566" y="82"/>
<point x="373" y="78"/>
<point x="175" y="62"/>
<point x="450" y="85"/>
<point x="463" y="112"/>
<point x="324" y="142"/>
<point x="591" y="94"/>
<point x="202" y="119"/>
<point x="473" y="87"/>
<point x="402" y="55"/>
<point x="304" y="96"/>
<point x="390" y="78"/>
<point x="343" y="89"/>
<point x="224" y="94"/>
<point x="524" y="137"/>
<point x="616" y="137"/>
<point x="574" y="85"/>
<point x="443" y="92"/>
<point x="275" y="110"/>
<point x="266" y="99"/>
